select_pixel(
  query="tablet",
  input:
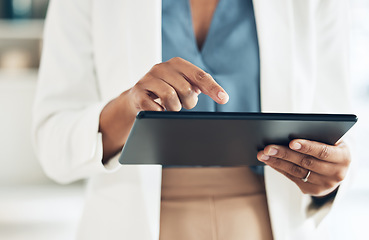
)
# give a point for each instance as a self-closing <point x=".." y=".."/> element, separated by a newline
<point x="223" y="139"/>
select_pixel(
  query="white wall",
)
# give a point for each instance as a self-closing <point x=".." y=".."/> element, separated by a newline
<point x="17" y="159"/>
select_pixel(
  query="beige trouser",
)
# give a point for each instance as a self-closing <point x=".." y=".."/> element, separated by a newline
<point x="213" y="203"/>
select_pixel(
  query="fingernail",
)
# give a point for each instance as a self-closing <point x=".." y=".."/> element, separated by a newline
<point x="264" y="157"/>
<point x="223" y="95"/>
<point x="272" y="151"/>
<point x="296" y="146"/>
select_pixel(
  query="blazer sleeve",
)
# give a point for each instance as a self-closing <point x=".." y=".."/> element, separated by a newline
<point x="332" y="88"/>
<point x="68" y="104"/>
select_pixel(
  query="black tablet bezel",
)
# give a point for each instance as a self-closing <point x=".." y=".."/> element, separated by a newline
<point x="250" y="116"/>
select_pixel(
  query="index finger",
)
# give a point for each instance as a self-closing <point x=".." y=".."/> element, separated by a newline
<point x="199" y="78"/>
<point x="319" y="150"/>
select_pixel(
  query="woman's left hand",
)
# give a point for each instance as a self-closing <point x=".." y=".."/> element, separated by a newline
<point x="322" y="166"/>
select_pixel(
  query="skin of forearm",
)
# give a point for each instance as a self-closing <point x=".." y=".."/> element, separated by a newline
<point x="116" y="120"/>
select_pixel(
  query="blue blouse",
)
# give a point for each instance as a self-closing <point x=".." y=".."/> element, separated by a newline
<point x="230" y="52"/>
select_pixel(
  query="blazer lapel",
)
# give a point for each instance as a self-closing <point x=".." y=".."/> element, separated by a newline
<point x="287" y="35"/>
<point x="275" y="54"/>
<point x="276" y="62"/>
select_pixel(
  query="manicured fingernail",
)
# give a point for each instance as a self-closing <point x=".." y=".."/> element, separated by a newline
<point x="272" y="151"/>
<point x="223" y="96"/>
<point x="264" y="157"/>
<point x="296" y="146"/>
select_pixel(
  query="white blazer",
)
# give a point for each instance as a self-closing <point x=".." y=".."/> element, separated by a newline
<point x="94" y="50"/>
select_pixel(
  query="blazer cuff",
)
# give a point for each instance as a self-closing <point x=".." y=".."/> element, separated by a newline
<point x="97" y="152"/>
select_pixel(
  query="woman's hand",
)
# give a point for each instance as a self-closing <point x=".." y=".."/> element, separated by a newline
<point x="176" y="84"/>
<point x="168" y="86"/>
<point x="327" y="164"/>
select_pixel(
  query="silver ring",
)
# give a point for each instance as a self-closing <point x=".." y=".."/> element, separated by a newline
<point x="305" y="179"/>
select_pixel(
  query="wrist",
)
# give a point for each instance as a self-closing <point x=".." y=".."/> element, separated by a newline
<point x="116" y="120"/>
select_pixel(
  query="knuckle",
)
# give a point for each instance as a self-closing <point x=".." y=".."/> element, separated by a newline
<point x="186" y="92"/>
<point x="154" y="70"/>
<point x="138" y="85"/>
<point x="147" y="80"/>
<point x="307" y="148"/>
<point x="200" y="75"/>
<point x="306" y="161"/>
<point x="346" y="160"/>
<point x="324" y="152"/>
<point x="296" y="170"/>
<point x="329" y="185"/>
<point x="169" y="95"/>
<point x="275" y="162"/>
<point x="156" y="66"/>
<point x="175" y="60"/>
<point x="213" y="88"/>
<point x="145" y="104"/>
<point x="283" y="153"/>
<point x="339" y="176"/>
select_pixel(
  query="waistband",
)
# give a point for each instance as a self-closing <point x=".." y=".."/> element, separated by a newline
<point x="210" y="182"/>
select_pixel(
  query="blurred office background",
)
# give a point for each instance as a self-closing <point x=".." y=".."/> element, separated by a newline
<point x="33" y="207"/>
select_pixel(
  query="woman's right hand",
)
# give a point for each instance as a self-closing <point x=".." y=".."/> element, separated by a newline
<point x="168" y="86"/>
<point x="172" y="85"/>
